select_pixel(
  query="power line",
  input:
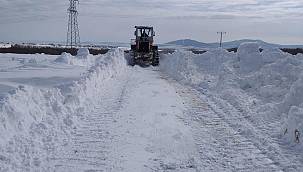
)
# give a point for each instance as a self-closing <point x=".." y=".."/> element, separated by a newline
<point x="73" y="35"/>
<point x="221" y="37"/>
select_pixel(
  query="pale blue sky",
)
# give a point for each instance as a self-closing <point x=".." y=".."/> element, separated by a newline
<point x="278" y="21"/>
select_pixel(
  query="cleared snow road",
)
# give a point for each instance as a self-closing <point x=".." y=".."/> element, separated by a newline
<point x="137" y="128"/>
<point x="147" y="122"/>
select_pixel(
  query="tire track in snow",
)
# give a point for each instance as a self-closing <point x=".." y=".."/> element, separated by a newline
<point x="267" y="145"/>
<point x="153" y="138"/>
<point x="266" y="134"/>
<point x="134" y="128"/>
<point x="91" y="143"/>
<point x="222" y="147"/>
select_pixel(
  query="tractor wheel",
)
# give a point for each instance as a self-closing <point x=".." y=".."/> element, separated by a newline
<point x="155" y="61"/>
<point x="131" y="59"/>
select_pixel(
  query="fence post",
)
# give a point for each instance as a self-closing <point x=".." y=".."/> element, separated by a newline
<point x="297" y="136"/>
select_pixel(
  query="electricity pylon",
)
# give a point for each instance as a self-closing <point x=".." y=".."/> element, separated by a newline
<point x="221" y="37"/>
<point x="73" y="35"/>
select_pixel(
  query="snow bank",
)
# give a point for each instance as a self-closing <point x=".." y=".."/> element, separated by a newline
<point x="83" y="53"/>
<point x="29" y="61"/>
<point x="271" y="55"/>
<point x="266" y="85"/>
<point x="5" y="45"/>
<point x="34" y="122"/>
<point x="292" y="106"/>
<point x="188" y="67"/>
<point x="65" y="58"/>
<point x="180" y="66"/>
<point x="295" y="95"/>
<point x="293" y="126"/>
<point x="249" y="57"/>
<point x="83" y="58"/>
<point x="35" y="59"/>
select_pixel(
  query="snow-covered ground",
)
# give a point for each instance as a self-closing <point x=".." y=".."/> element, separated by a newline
<point x="136" y="127"/>
<point x="41" y="99"/>
<point x="258" y="94"/>
<point x="2" y="45"/>
<point x="43" y="71"/>
<point x="218" y="111"/>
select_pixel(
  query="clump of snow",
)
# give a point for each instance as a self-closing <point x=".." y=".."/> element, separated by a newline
<point x="83" y="58"/>
<point x="250" y="57"/>
<point x="272" y="81"/>
<point x="82" y="53"/>
<point x="5" y="45"/>
<point x="186" y="66"/>
<point x="35" y="121"/>
<point x="65" y="58"/>
<point x="29" y="61"/>
<point x="179" y="65"/>
<point x="294" y="97"/>
<point x="293" y="126"/>
<point x="271" y="55"/>
<point x="209" y="61"/>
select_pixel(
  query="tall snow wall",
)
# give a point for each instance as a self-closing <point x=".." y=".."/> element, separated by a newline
<point x="34" y="122"/>
<point x="266" y="84"/>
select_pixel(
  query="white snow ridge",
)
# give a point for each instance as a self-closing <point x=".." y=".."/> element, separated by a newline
<point x="258" y="94"/>
<point x="35" y="122"/>
<point x="217" y="111"/>
<point x="83" y="58"/>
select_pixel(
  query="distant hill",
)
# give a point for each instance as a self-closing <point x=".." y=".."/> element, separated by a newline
<point x="189" y="43"/>
<point x="232" y="44"/>
<point x="237" y="43"/>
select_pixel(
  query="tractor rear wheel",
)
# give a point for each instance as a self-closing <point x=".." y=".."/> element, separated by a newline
<point x="131" y="59"/>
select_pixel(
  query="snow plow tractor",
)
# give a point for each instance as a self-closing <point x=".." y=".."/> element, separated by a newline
<point x="143" y="51"/>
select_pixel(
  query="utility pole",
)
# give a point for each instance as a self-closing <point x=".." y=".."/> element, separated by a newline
<point x="73" y="35"/>
<point x="221" y="37"/>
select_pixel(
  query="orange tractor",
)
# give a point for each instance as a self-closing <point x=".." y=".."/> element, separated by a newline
<point x="143" y="51"/>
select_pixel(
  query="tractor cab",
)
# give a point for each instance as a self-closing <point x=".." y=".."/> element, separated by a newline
<point x="143" y="50"/>
<point x="144" y="38"/>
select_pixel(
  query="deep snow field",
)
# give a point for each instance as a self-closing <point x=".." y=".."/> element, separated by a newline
<point x="60" y="113"/>
<point x="36" y="70"/>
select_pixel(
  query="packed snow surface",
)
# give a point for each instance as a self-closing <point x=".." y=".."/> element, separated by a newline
<point x="217" y="111"/>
